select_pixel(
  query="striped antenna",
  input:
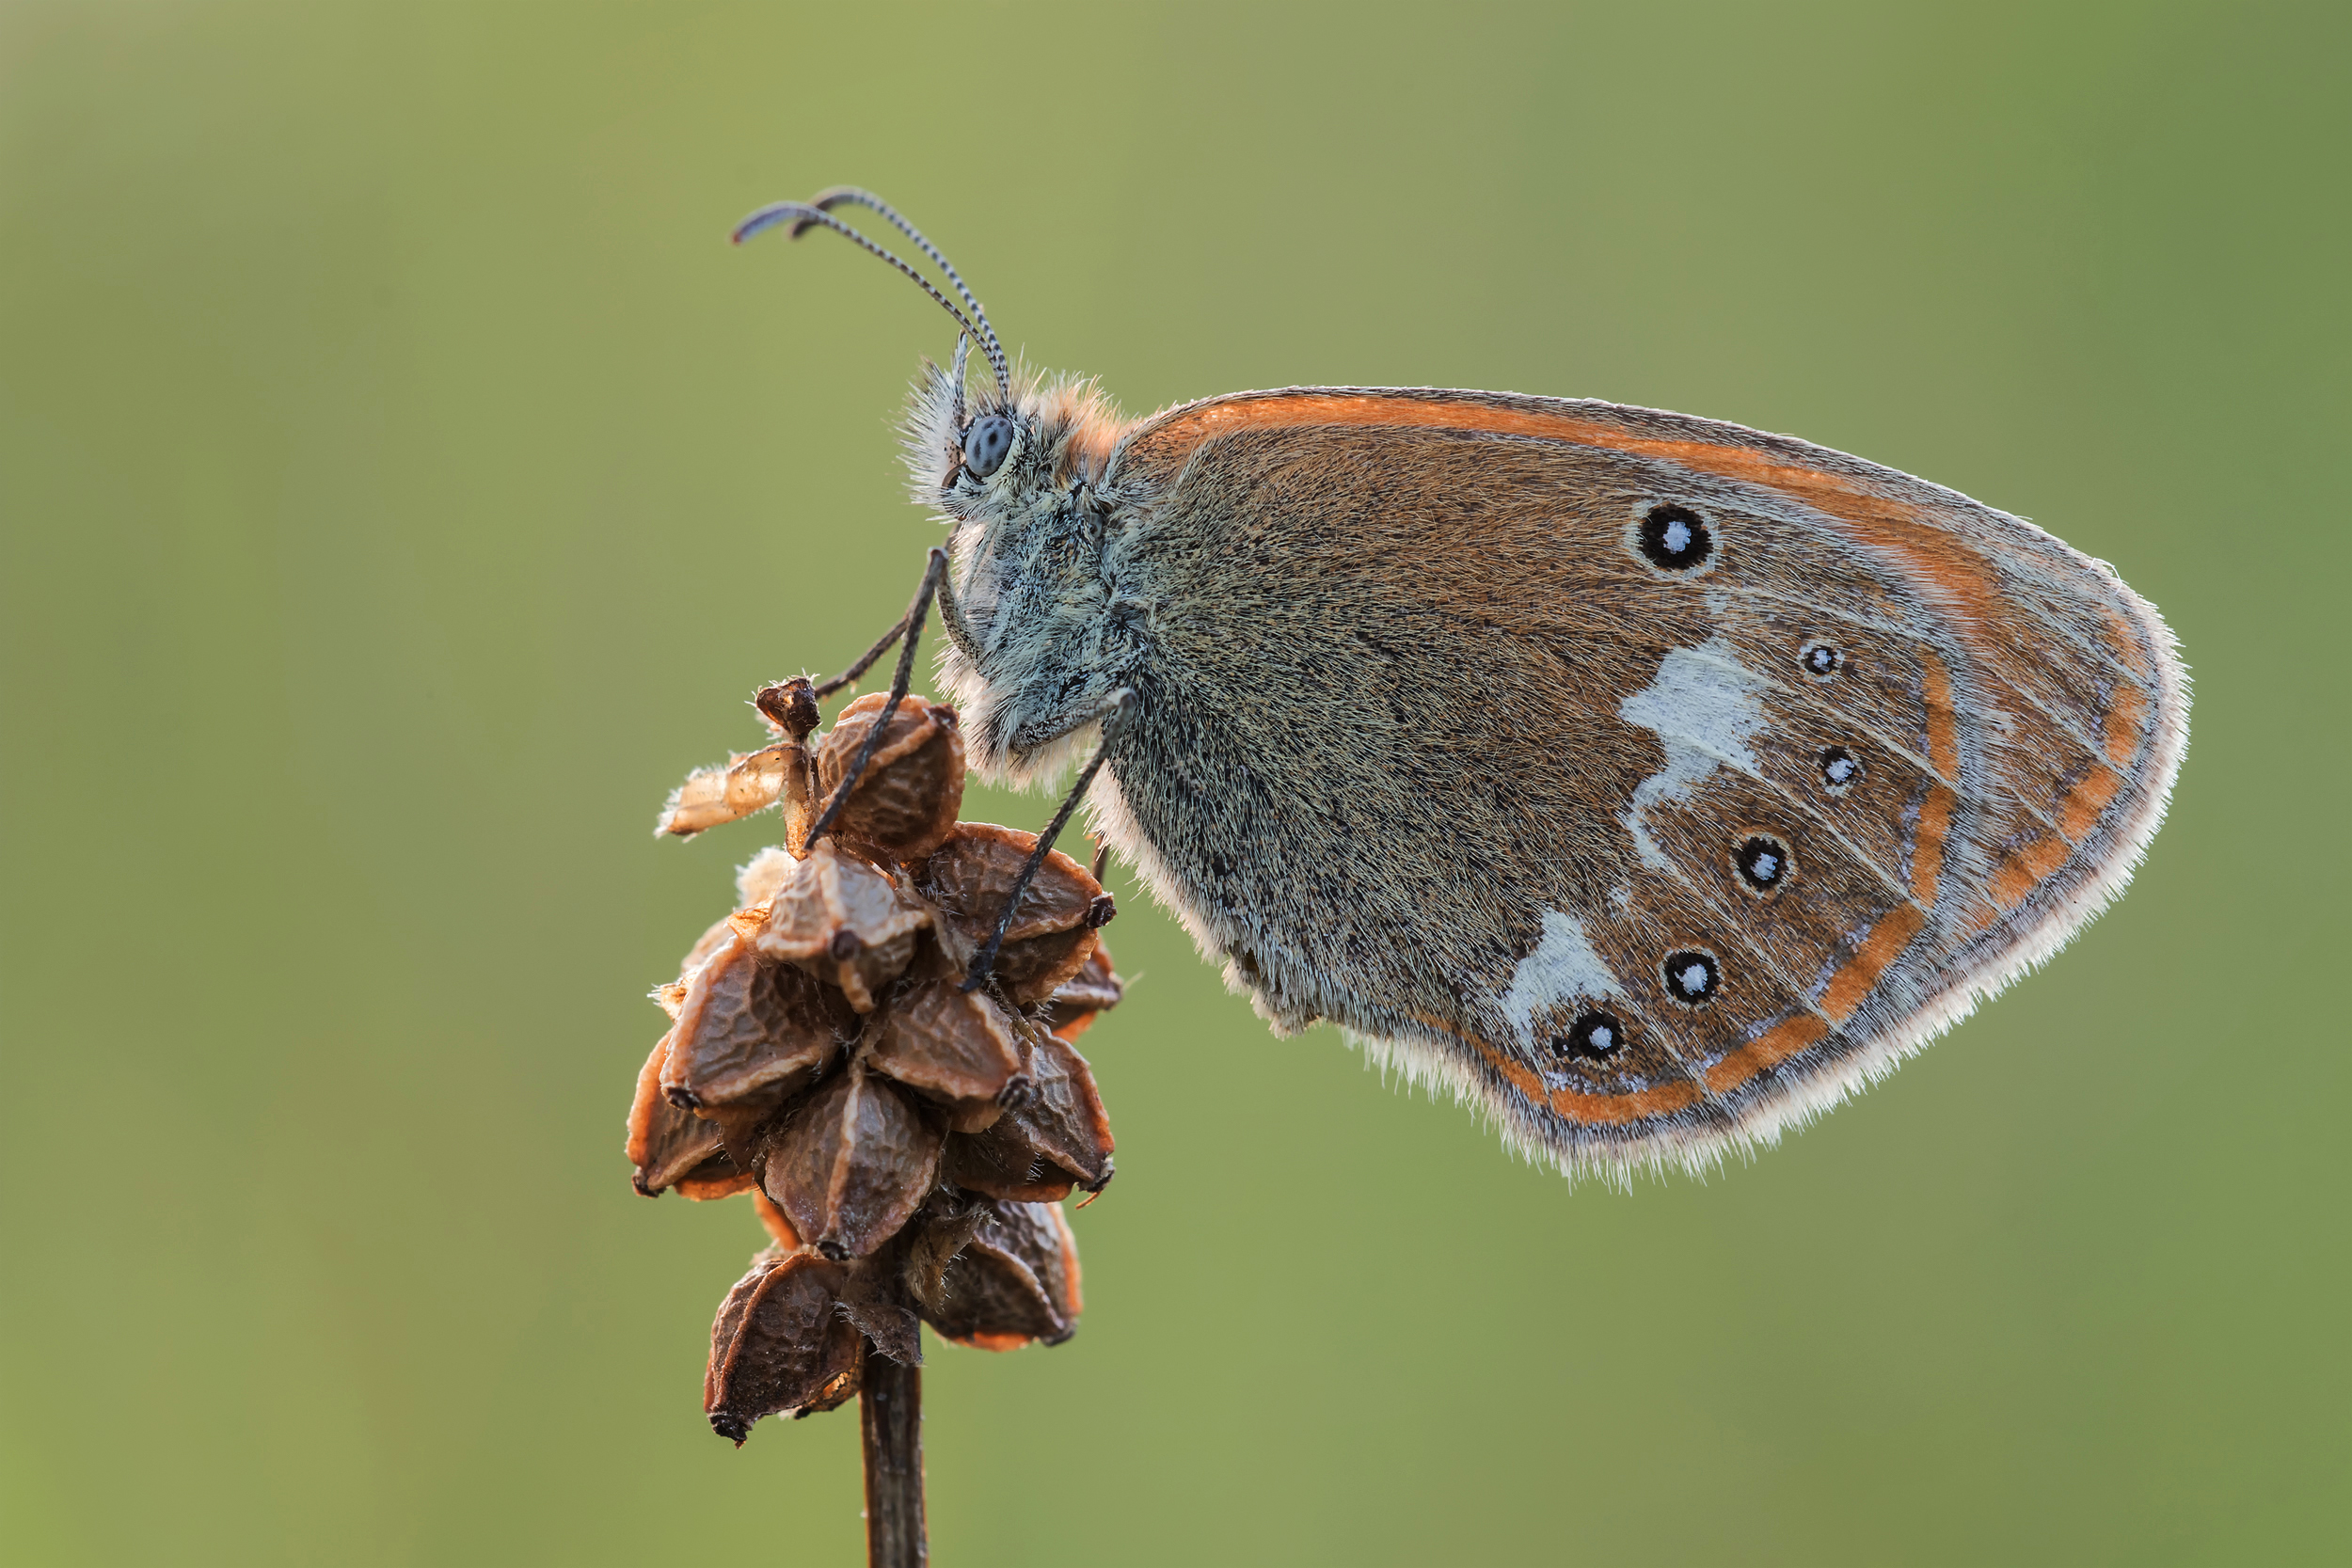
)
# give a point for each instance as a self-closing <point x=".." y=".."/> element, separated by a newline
<point x="801" y="216"/>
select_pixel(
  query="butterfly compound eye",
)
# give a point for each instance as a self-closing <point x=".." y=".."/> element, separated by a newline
<point x="985" y="445"/>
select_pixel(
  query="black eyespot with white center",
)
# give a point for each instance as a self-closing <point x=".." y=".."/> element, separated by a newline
<point x="1840" y="769"/>
<point x="985" y="445"/>
<point x="1764" y="864"/>
<point x="1693" y="978"/>
<point x="1822" y="659"/>
<point x="1675" y="539"/>
<point x="1595" y="1036"/>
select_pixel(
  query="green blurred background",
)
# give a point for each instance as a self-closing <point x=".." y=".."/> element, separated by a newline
<point x="402" y="485"/>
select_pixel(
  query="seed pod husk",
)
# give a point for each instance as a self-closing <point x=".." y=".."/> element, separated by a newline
<point x="749" y="1026"/>
<point x="908" y="798"/>
<point x="716" y="1177"/>
<point x="875" y="1298"/>
<point x="851" y="1163"/>
<point x="772" y="1220"/>
<point x="1070" y="1011"/>
<point x="1061" y="1119"/>
<point x="665" y="1143"/>
<point x="959" y="1050"/>
<point x="1015" y="1280"/>
<point x="997" y="1161"/>
<point x="932" y="1240"/>
<point x="847" y="922"/>
<point x="779" y="1345"/>
<point x="750" y="782"/>
<point x="969" y="878"/>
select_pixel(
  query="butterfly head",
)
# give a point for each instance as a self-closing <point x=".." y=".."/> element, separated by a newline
<point x="993" y="455"/>
<point x="1016" y="467"/>
<point x="986" y="456"/>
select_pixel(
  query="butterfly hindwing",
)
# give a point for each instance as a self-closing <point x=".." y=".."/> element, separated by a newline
<point x="1649" y="780"/>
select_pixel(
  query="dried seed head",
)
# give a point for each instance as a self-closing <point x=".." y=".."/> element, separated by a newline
<point x="779" y="1345"/>
<point x="846" y="921"/>
<point x="910" y="793"/>
<point x="956" y="1050"/>
<point x="749" y="1026"/>
<point x="851" y="1163"/>
<point x="970" y="875"/>
<point x="919" y="1175"/>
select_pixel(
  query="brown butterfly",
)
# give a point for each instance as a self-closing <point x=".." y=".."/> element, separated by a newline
<point x="1650" y="781"/>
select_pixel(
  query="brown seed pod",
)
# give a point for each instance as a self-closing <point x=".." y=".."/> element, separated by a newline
<point x="876" y="1300"/>
<point x="772" y="1220"/>
<point x="997" y="1161"/>
<point x="779" y="1345"/>
<point x="715" y="1177"/>
<point x="789" y="707"/>
<point x="665" y="1143"/>
<point x="1062" y="1117"/>
<point x="851" y="1163"/>
<point x="932" y="1240"/>
<point x="911" y="791"/>
<point x="969" y="878"/>
<point x="1014" y="1279"/>
<point x="962" y="1051"/>
<point x="846" y="921"/>
<point x="751" y="1027"/>
<point x="1072" y="1009"/>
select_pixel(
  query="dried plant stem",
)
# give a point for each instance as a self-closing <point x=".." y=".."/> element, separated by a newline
<point x="890" y="1413"/>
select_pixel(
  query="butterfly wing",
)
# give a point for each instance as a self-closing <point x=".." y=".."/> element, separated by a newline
<point x="1650" y="779"/>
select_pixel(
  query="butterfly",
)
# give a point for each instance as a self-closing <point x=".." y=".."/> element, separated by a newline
<point x="1651" y="783"/>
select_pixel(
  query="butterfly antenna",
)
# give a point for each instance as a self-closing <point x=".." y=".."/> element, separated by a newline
<point x="799" y="214"/>
<point x="827" y="200"/>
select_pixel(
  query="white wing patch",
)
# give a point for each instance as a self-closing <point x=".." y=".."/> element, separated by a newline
<point x="1704" y="706"/>
<point x="1563" y="967"/>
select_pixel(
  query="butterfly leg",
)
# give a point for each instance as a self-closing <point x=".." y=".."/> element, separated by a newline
<point x="910" y="629"/>
<point x="951" y="618"/>
<point x="1108" y="714"/>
